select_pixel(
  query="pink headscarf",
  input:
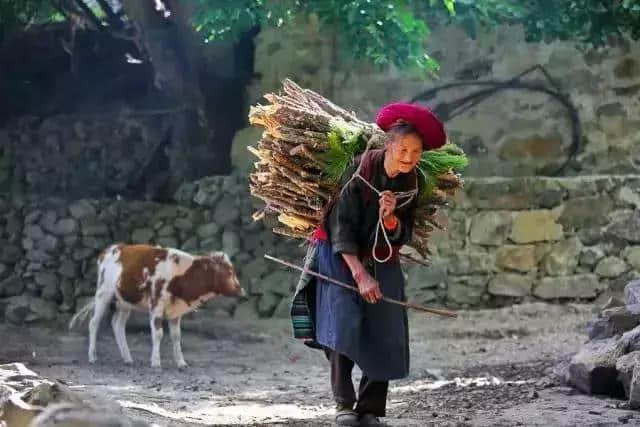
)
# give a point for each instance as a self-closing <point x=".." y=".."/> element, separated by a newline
<point x="421" y="118"/>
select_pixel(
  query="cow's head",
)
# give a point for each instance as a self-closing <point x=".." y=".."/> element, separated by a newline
<point x="225" y="279"/>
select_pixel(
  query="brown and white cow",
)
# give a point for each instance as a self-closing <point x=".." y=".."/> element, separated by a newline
<point x="166" y="282"/>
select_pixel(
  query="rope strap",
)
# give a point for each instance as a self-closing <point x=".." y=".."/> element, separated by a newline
<point x="407" y="195"/>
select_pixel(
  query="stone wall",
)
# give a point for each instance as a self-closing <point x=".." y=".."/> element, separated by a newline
<point x="508" y="240"/>
<point x="513" y="133"/>
<point x="75" y="156"/>
<point x="545" y="238"/>
<point x="48" y="263"/>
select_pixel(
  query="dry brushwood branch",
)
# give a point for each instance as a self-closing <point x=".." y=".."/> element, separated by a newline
<point x="292" y="166"/>
<point x="299" y="118"/>
<point x="430" y="221"/>
<point x="270" y="142"/>
<point x="424" y="230"/>
<point x="296" y="180"/>
<point x="294" y="90"/>
<point x="449" y="180"/>
<point x="288" y="102"/>
<point x="424" y="263"/>
<point x="288" y="194"/>
<point x="258" y="215"/>
<point x="289" y="176"/>
<point x="287" y="232"/>
<point x="422" y="247"/>
<point x="288" y="205"/>
<point x="300" y="155"/>
<point x="317" y="140"/>
<point x="303" y="151"/>
<point x="296" y="222"/>
<point x="437" y="197"/>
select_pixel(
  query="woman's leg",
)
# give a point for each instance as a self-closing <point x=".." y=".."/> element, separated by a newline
<point x="341" y="383"/>
<point x="372" y="397"/>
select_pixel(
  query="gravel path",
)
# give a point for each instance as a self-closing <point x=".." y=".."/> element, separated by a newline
<point x="486" y="368"/>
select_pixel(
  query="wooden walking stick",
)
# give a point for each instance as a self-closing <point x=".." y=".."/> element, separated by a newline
<point x="441" y="312"/>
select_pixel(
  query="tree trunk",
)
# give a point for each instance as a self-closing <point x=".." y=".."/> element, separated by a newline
<point x="175" y="63"/>
<point x="211" y="108"/>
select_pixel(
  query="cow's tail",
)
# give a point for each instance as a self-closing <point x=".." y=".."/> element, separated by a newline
<point x="82" y="315"/>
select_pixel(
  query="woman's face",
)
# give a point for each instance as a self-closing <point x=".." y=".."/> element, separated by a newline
<point x="405" y="152"/>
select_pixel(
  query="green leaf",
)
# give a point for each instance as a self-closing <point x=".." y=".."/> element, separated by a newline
<point x="344" y="145"/>
<point x="387" y="32"/>
<point x="437" y="162"/>
<point x="450" y="5"/>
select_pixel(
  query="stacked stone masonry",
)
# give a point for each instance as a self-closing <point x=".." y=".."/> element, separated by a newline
<point x="508" y="240"/>
<point x="95" y="156"/>
<point x="545" y="238"/>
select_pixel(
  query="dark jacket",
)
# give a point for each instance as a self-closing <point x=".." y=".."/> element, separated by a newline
<point x="353" y="217"/>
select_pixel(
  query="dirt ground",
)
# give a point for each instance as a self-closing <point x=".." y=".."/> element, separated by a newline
<point x="486" y="368"/>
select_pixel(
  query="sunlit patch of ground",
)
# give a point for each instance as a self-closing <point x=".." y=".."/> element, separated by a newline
<point x="485" y="368"/>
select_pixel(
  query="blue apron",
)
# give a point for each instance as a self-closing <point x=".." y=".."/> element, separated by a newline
<point x="374" y="336"/>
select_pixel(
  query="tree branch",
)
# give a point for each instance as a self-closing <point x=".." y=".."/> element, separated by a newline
<point x="89" y="14"/>
<point x="114" y="20"/>
<point x="66" y="7"/>
<point x="57" y="6"/>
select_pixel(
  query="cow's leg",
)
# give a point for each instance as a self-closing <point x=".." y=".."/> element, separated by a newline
<point x="124" y="317"/>
<point x="174" y="332"/>
<point x="104" y="294"/>
<point x="119" y="323"/>
<point x="156" y="338"/>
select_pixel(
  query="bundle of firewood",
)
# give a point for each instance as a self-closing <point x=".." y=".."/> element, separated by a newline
<point x="308" y="144"/>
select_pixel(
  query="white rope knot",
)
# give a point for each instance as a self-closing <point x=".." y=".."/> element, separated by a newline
<point x="408" y="195"/>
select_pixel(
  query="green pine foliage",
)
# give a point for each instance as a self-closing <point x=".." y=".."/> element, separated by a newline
<point x="437" y="162"/>
<point x="345" y="145"/>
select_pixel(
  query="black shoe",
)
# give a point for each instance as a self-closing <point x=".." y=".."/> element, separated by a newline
<point x="346" y="417"/>
<point x="371" y="420"/>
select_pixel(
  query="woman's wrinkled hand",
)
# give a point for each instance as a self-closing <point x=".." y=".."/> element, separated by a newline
<point x="368" y="287"/>
<point x="387" y="203"/>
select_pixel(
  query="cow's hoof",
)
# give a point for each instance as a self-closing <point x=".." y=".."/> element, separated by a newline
<point x="128" y="361"/>
<point x="182" y="365"/>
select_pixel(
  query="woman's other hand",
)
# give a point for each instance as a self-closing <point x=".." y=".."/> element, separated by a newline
<point x="387" y="203"/>
<point x="368" y="286"/>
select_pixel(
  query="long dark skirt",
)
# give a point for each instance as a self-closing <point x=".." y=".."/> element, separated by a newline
<point x="374" y="336"/>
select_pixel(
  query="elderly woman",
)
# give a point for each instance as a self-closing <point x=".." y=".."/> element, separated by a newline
<point x="376" y="205"/>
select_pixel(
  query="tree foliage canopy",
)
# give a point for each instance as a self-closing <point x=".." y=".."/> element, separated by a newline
<point x="393" y="31"/>
<point x="382" y="31"/>
<point x="20" y="13"/>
